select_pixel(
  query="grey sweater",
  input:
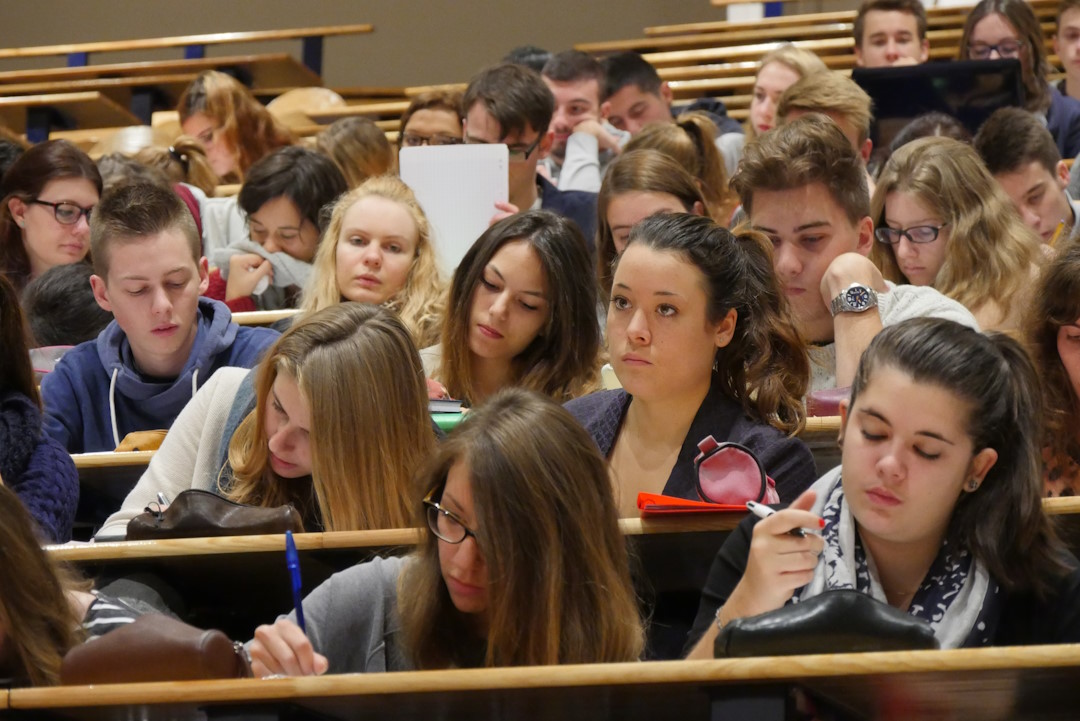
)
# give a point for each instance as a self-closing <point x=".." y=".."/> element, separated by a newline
<point x="352" y="618"/>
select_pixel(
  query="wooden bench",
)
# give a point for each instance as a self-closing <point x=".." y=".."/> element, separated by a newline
<point x="263" y="317"/>
<point x="195" y="45"/>
<point x="37" y="115"/>
<point x="992" y="684"/>
<point x="142" y="94"/>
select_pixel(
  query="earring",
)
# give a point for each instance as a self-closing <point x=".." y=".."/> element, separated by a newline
<point x="973" y="484"/>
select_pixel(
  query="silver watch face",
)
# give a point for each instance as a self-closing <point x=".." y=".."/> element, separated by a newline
<point x="857" y="298"/>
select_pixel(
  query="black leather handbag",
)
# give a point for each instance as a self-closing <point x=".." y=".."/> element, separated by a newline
<point x="831" y="622"/>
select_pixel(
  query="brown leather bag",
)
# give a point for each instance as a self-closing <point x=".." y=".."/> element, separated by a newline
<point x="197" y="514"/>
<point x="154" y="648"/>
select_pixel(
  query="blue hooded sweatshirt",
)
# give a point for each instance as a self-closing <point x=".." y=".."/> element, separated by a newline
<point x="95" y="396"/>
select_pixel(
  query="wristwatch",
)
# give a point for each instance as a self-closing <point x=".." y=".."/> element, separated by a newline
<point x="856" y="298"/>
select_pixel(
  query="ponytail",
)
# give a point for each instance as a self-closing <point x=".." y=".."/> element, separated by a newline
<point x="1002" y="523"/>
<point x="765" y="368"/>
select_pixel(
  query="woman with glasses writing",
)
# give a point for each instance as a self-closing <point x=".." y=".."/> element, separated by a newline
<point x="943" y="221"/>
<point x="521" y="563"/>
<point x="998" y="29"/>
<point x="48" y="194"/>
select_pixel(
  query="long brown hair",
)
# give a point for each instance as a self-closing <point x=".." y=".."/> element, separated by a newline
<point x="16" y="370"/>
<point x="25" y="179"/>
<point x="562" y="361"/>
<point x="35" y="613"/>
<point x="360" y="373"/>
<point x="1002" y="523"/>
<point x="646" y="171"/>
<point x="247" y="127"/>
<point x="690" y="143"/>
<point x="183" y="162"/>
<point x="547" y="527"/>
<point x="1030" y="35"/>
<point x="765" y="368"/>
<point x="1057" y="304"/>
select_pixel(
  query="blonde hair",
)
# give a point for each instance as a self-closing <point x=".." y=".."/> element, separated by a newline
<point x="547" y="527"/>
<point x="829" y="92"/>
<point x="690" y="142"/>
<point x="184" y="162"/>
<point x="420" y="302"/>
<point x="800" y="61"/>
<point x="990" y="249"/>
<point x="247" y="127"/>
<point x="359" y="148"/>
<point x="360" y="373"/>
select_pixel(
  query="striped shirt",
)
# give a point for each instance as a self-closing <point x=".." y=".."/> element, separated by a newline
<point x="107" y="614"/>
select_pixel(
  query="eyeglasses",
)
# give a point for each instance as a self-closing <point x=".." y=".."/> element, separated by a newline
<point x="517" y="155"/>
<point x="445" y="524"/>
<point x="412" y="140"/>
<point x="1005" y="49"/>
<point x="66" y="213"/>
<point x="914" y="234"/>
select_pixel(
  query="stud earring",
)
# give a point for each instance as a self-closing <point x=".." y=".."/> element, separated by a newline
<point x="973" y="484"/>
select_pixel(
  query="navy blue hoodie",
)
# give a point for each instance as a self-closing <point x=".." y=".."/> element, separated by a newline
<point x="95" y="397"/>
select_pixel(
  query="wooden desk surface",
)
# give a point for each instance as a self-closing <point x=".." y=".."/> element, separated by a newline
<point x="994" y="683"/>
<point x="262" y="317"/>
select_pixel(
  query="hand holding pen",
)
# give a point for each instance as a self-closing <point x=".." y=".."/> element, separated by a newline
<point x="283" y="648"/>
<point x="782" y="557"/>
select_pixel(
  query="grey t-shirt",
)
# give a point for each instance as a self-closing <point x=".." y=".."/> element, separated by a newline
<point x="352" y="618"/>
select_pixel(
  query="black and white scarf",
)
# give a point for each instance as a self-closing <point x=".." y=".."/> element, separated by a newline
<point x="958" y="598"/>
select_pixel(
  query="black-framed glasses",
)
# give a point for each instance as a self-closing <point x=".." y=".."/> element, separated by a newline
<point x="517" y="155"/>
<point x="1005" y="49"/>
<point x="412" y="140"/>
<point x="445" y="524"/>
<point x="915" y="234"/>
<point x="66" y="213"/>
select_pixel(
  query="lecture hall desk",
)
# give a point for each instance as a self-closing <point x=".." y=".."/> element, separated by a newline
<point x="210" y="574"/>
<point x="1037" y="682"/>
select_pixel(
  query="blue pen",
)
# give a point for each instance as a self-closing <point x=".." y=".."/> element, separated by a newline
<point x="292" y="560"/>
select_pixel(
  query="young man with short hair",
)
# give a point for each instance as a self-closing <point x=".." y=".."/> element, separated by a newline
<point x="510" y="104"/>
<point x="634" y="96"/>
<point x="1067" y="47"/>
<point x="164" y="342"/>
<point x="890" y="32"/>
<point x="583" y="144"/>
<point x="804" y="187"/>
<point x="1022" y="156"/>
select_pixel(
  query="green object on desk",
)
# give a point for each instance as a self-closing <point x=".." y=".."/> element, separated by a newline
<point x="447" y="421"/>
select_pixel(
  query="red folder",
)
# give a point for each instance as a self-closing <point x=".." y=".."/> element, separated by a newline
<point x="655" y="504"/>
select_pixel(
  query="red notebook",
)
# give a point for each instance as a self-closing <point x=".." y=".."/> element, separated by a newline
<point x="655" y="504"/>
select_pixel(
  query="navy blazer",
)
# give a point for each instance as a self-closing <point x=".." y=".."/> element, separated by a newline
<point x="787" y="460"/>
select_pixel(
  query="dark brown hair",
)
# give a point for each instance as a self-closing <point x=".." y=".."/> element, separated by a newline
<point x="1013" y="137"/>
<point x="514" y="95"/>
<point x="1002" y="523"/>
<point x="765" y="368"/>
<point x="912" y="7"/>
<point x="1030" y="35"/>
<point x="1057" y="304"/>
<point x="25" y="179"/>
<point x="16" y="370"/>
<point x="560" y="362"/>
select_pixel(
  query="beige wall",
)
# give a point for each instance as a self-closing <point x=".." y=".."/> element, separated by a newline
<point x="414" y="43"/>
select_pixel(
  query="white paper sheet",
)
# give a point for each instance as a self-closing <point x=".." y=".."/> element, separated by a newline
<point x="457" y="186"/>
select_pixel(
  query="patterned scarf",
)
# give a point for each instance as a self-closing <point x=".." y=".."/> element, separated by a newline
<point x="957" y="596"/>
